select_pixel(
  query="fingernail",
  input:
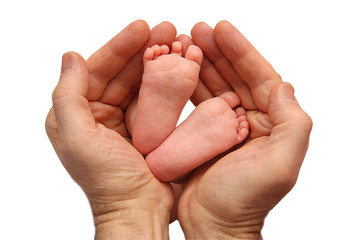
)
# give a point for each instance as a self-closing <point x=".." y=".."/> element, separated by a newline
<point x="286" y="91"/>
<point x="69" y="62"/>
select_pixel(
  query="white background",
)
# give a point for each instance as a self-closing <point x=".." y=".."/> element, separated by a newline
<point x="312" y="44"/>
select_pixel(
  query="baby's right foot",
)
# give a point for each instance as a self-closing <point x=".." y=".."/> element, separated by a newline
<point x="168" y="82"/>
<point x="212" y="128"/>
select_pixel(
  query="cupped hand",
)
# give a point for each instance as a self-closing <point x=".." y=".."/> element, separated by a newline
<point x="87" y="129"/>
<point x="230" y="196"/>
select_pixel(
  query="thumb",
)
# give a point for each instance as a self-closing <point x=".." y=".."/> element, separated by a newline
<point x="70" y="105"/>
<point x="289" y="137"/>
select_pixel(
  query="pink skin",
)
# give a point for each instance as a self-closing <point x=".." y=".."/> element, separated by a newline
<point x="168" y="82"/>
<point x="212" y="128"/>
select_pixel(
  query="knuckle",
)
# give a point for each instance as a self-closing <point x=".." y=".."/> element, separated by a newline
<point x="62" y="97"/>
<point x="304" y="121"/>
<point x="285" y="178"/>
<point x="58" y="93"/>
<point x="50" y="121"/>
<point x="308" y="123"/>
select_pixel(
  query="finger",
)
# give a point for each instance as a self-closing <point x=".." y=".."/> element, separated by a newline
<point x="248" y="63"/>
<point x="70" y="105"/>
<point x="186" y="41"/>
<point x="111" y="117"/>
<point x="289" y="137"/>
<point x="201" y="92"/>
<point x="118" y="88"/>
<point x="203" y="36"/>
<point x="105" y="63"/>
<point x="213" y="79"/>
<point x="260" y="124"/>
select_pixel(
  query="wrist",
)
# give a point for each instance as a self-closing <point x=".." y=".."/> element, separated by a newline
<point x="209" y="230"/>
<point x="131" y="219"/>
<point x="200" y="223"/>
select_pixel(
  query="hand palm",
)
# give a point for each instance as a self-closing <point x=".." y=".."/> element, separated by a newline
<point x="86" y="124"/>
<point x="109" y="168"/>
<point x="124" y="170"/>
<point x="232" y="178"/>
<point x="243" y="185"/>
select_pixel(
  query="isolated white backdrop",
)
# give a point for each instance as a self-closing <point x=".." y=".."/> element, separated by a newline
<point x="312" y="44"/>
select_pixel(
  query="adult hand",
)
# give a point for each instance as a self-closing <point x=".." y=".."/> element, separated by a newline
<point x="229" y="197"/>
<point x="86" y="127"/>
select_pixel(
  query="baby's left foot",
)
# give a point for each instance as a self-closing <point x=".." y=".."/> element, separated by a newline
<point x="212" y="128"/>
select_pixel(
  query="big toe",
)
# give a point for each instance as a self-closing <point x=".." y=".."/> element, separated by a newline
<point x="230" y="98"/>
<point x="194" y="53"/>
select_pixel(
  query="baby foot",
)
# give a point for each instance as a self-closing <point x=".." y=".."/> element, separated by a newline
<point x="167" y="84"/>
<point x="212" y="128"/>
